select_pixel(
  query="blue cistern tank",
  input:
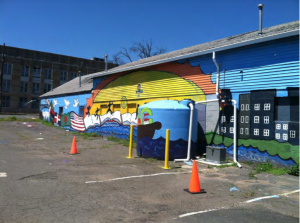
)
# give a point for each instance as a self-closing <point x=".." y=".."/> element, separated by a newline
<point x="154" y="118"/>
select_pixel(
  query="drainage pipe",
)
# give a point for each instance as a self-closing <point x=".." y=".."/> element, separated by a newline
<point x="218" y="73"/>
<point x="234" y="128"/>
<point x="234" y="134"/>
<point x="190" y="136"/>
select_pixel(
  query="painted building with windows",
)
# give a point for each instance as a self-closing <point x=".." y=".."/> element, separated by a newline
<point x="262" y="111"/>
<point x="244" y="123"/>
<point x="28" y="73"/>
<point x="254" y="69"/>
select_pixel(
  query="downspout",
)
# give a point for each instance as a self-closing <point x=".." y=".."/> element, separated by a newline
<point x="79" y="78"/>
<point x="218" y="73"/>
<point x="234" y="134"/>
<point x="190" y="136"/>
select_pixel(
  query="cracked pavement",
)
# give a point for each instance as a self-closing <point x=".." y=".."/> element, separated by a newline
<point x="46" y="184"/>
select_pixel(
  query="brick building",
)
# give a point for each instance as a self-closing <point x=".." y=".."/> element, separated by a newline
<point x="28" y="73"/>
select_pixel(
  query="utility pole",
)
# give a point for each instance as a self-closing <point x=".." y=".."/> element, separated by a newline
<point x="1" y="78"/>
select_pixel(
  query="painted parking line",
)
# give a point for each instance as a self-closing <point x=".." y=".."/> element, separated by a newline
<point x="273" y="196"/>
<point x="246" y="202"/>
<point x="199" y="212"/>
<point x="138" y="176"/>
<point x="3" y="175"/>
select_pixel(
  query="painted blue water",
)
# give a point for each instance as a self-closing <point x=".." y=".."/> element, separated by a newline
<point x="253" y="154"/>
<point x="155" y="148"/>
<point x="110" y="128"/>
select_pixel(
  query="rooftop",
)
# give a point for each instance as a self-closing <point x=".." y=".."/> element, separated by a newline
<point x="274" y="32"/>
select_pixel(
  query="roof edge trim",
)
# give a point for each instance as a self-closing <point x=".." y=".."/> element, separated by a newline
<point x="225" y="47"/>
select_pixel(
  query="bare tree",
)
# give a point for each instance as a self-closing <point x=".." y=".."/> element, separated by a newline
<point x="117" y="59"/>
<point x="141" y="49"/>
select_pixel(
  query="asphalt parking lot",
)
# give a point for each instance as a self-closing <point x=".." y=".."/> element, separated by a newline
<point x="41" y="182"/>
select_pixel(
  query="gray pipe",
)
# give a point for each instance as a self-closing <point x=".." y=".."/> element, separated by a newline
<point x="260" y="6"/>
<point x="105" y="62"/>
<point x="79" y="78"/>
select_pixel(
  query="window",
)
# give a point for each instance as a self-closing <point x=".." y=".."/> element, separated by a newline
<point x="7" y="69"/>
<point x="285" y="126"/>
<point x="223" y="119"/>
<point x="242" y="119"/>
<point x="63" y="75"/>
<point x="116" y="107"/>
<point x="246" y="119"/>
<point x="242" y="107"/>
<point x="35" y="103"/>
<point x="25" y="71"/>
<point x="231" y="118"/>
<point x="241" y="130"/>
<point x="48" y="73"/>
<point x="266" y="132"/>
<point x="24" y="86"/>
<point x="277" y="135"/>
<point x="103" y="109"/>
<point x="36" y="72"/>
<point x="36" y="88"/>
<point x="223" y="129"/>
<point x="22" y="102"/>
<point x="73" y="75"/>
<point x="285" y="136"/>
<point x="278" y="126"/>
<point x="246" y="131"/>
<point x="61" y="110"/>
<point x="256" y="119"/>
<point x="266" y="119"/>
<point x="256" y="107"/>
<point x="5" y="101"/>
<point x="247" y="107"/>
<point x="6" y="85"/>
<point x="256" y="132"/>
<point x="83" y="74"/>
<point x="47" y="87"/>
<point x="267" y="106"/>
<point x="231" y="130"/>
<point x="292" y="134"/>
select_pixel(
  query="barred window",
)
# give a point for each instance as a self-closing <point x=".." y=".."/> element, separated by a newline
<point x="267" y="106"/>
<point x="266" y="132"/>
<point x="266" y="119"/>
<point x="292" y="134"/>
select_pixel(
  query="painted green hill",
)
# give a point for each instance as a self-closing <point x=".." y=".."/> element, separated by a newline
<point x="284" y="150"/>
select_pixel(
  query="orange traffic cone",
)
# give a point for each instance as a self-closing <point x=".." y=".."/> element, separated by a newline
<point x="74" y="147"/>
<point x="195" y="183"/>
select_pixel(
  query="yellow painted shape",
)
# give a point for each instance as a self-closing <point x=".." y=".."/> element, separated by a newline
<point x="154" y="84"/>
<point x="140" y="102"/>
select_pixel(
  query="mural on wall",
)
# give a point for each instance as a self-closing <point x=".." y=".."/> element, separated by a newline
<point x="264" y="87"/>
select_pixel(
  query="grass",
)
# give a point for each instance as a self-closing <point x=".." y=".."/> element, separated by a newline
<point x="124" y="142"/>
<point x="269" y="168"/>
<point x="252" y="175"/>
<point x="105" y="146"/>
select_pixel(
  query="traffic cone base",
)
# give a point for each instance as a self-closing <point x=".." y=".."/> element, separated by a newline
<point x="74" y="147"/>
<point x="202" y="191"/>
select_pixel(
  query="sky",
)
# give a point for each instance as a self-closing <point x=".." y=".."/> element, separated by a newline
<point x="93" y="28"/>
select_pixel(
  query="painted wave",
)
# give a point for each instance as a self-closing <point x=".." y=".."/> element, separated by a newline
<point x="253" y="154"/>
<point x="155" y="148"/>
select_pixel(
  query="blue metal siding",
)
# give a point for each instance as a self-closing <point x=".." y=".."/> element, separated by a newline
<point x="273" y="64"/>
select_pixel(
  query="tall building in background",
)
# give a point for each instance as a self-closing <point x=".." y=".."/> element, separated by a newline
<point x="28" y="73"/>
